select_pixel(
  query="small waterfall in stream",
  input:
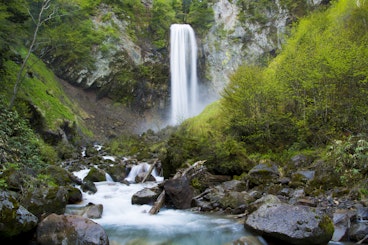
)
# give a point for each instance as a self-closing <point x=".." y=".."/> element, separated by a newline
<point x="131" y="224"/>
<point x="183" y="67"/>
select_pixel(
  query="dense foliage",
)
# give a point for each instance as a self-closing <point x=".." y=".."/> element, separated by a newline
<point x="313" y="91"/>
<point x="19" y="146"/>
<point x="310" y="98"/>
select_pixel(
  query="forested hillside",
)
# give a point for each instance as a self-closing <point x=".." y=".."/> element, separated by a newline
<point x="308" y="95"/>
<point x="310" y="99"/>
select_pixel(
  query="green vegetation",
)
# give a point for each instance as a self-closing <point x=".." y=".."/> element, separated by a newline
<point x="19" y="146"/>
<point x="310" y="98"/>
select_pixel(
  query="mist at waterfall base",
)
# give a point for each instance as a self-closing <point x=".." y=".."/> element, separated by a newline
<point x="132" y="224"/>
<point x="187" y="96"/>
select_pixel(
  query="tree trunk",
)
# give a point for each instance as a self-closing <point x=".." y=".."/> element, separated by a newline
<point x="149" y="171"/>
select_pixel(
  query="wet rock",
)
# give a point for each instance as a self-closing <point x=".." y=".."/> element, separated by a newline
<point x="14" y="218"/>
<point x="70" y="229"/>
<point x="95" y="175"/>
<point x="180" y="192"/>
<point x="145" y="196"/>
<point x="117" y="172"/>
<point x="93" y="211"/>
<point x="89" y="186"/>
<point x="292" y="224"/>
<point x="74" y="195"/>
<point x="46" y="200"/>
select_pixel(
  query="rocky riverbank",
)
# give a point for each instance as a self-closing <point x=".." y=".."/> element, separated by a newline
<point x="286" y="208"/>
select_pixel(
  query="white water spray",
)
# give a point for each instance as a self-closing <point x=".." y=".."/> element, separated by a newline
<point x="183" y="66"/>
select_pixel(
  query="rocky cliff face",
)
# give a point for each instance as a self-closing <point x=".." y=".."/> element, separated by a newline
<point x="246" y="32"/>
<point x="130" y="70"/>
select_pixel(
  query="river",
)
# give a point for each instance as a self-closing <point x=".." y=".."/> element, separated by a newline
<point x="132" y="224"/>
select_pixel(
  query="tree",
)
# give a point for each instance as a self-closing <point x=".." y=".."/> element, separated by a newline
<point x="46" y="13"/>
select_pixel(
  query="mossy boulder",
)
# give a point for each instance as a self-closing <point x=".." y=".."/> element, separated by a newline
<point x="74" y="195"/>
<point x="60" y="176"/>
<point x="263" y="173"/>
<point x="117" y="172"/>
<point x="46" y="200"/>
<point x="95" y="175"/>
<point x="14" y="218"/>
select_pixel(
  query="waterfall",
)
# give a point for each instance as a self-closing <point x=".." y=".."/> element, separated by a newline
<point x="183" y="67"/>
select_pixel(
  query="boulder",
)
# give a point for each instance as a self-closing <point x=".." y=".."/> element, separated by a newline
<point x="341" y="221"/>
<point x="93" y="211"/>
<point x="14" y="219"/>
<point x="46" y="200"/>
<point x="95" y="175"/>
<point x="117" y="172"/>
<point x="237" y="201"/>
<point x="292" y="224"/>
<point x="268" y="199"/>
<point x="89" y="186"/>
<point x="60" y="175"/>
<point x="145" y="196"/>
<point x="180" y="192"/>
<point x="74" y="195"/>
<point x="263" y="173"/>
<point x="70" y="229"/>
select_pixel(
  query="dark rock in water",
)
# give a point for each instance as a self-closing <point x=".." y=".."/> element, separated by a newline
<point x="291" y="224"/>
<point x="145" y="196"/>
<point x="46" y="200"/>
<point x="70" y="229"/>
<point x="74" y="195"/>
<point x="95" y="175"/>
<point x="93" y="211"/>
<point x="89" y="186"/>
<point x="14" y="219"/>
<point x="117" y="172"/>
<point x="180" y="192"/>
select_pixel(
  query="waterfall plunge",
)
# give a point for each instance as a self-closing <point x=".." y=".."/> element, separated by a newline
<point x="183" y="65"/>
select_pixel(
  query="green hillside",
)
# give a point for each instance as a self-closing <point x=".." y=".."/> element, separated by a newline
<point x="311" y="99"/>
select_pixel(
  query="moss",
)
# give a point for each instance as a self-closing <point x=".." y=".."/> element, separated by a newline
<point x="326" y="225"/>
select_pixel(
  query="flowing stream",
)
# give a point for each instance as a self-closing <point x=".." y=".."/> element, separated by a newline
<point x="132" y="224"/>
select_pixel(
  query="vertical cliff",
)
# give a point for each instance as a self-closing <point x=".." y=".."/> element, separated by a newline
<point x="246" y="31"/>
